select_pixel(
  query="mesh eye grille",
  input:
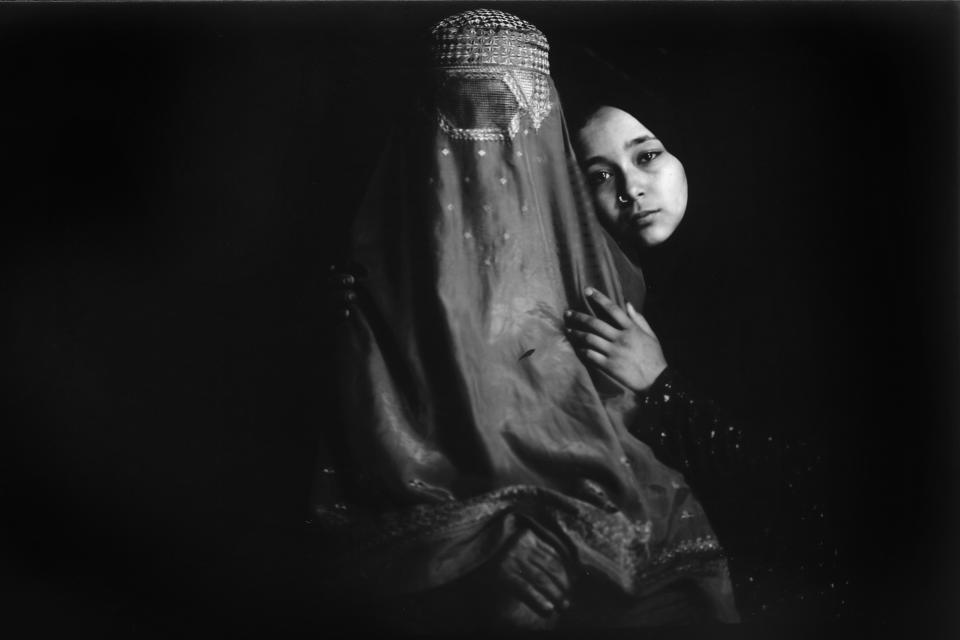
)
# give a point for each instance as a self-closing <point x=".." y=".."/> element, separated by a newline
<point x="478" y="103"/>
<point x="484" y="104"/>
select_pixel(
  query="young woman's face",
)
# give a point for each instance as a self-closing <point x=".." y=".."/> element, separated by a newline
<point x="639" y="189"/>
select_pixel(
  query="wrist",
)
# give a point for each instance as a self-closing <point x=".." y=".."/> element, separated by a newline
<point x="653" y="383"/>
<point x="661" y="387"/>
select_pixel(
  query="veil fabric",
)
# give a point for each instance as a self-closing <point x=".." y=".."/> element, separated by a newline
<point x="467" y="416"/>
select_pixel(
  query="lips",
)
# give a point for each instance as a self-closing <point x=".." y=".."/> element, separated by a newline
<point x="643" y="216"/>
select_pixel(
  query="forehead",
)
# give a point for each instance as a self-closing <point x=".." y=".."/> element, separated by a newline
<point x="609" y="131"/>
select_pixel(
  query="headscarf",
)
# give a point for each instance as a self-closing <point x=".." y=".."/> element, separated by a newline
<point x="675" y="283"/>
<point x="467" y="415"/>
<point x="601" y="84"/>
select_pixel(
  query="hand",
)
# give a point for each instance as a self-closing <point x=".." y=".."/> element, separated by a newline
<point x="536" y="582"/>
<point x="624" y="347"/>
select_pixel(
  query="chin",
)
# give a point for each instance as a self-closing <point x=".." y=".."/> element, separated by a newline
<point x="652" y="237"/>
<point x="658" y="232"/>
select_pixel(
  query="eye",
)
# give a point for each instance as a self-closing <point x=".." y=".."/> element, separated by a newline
<point x="646" y="157"/>
<point x="596" y="178"/>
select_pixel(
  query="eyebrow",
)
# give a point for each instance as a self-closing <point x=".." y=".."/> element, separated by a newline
<point x="638" y="140"/>
<point x="629" y="144"/>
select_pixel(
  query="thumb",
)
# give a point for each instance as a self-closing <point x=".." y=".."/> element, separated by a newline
<point x="638" y="319"/>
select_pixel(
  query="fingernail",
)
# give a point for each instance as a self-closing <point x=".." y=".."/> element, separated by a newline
<point x="588" y="291"/>
<point x="350" y="295"/>
<point x="567" y="313"/>
<point x="346" y="313"/>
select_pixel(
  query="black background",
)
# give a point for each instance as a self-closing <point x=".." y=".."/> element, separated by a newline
<point x="179" y="177"/>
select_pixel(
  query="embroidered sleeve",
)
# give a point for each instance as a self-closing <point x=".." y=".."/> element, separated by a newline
<point x="692" y="435"/>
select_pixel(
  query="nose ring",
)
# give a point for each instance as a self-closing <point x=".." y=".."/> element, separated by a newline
<point x="623" y="199"/>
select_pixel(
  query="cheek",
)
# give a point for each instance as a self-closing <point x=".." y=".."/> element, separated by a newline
<point x="606" y="209"/>
<point x="675" y="189"/>
<point x="682" y="194"/>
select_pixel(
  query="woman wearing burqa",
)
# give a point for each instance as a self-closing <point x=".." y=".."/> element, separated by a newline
<point x="480" y="474"/>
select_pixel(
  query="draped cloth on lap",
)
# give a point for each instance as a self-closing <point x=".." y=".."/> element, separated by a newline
<point x="467" y="416"/>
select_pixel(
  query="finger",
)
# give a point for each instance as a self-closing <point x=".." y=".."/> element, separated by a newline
<point x="542" y="581"/>
<point x="639" y="320"/>
<point x="531" y="595"/>
<point x="595" y="357"/>
<point x="546" y="550"/>
<point x="603" y="364"/>
<point x="620" y="319"/>
<point x="553" y="570"/>
<point x="515" y="614"/>
<point x="545" y="556"/>
<point x="594" y="325"/>
<point x="586" y="340"/>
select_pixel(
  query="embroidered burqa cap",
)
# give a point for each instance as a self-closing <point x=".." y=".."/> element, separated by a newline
<point x="488" y="36"/>
<point x="467" y="415"/>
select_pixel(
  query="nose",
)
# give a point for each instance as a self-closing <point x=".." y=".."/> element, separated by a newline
<point x="633" y="187"/>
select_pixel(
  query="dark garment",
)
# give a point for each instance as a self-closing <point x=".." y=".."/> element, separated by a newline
<point x="734" y="470"/>
<point x="765" y="496"/>
<point x="690" y="433"/>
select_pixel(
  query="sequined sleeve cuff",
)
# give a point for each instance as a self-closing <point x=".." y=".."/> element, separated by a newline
<point x="685" y="431"/>
<point x="663" y="387"/>
<point x="656" y="424"/>
<point x="691" y="434"/>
